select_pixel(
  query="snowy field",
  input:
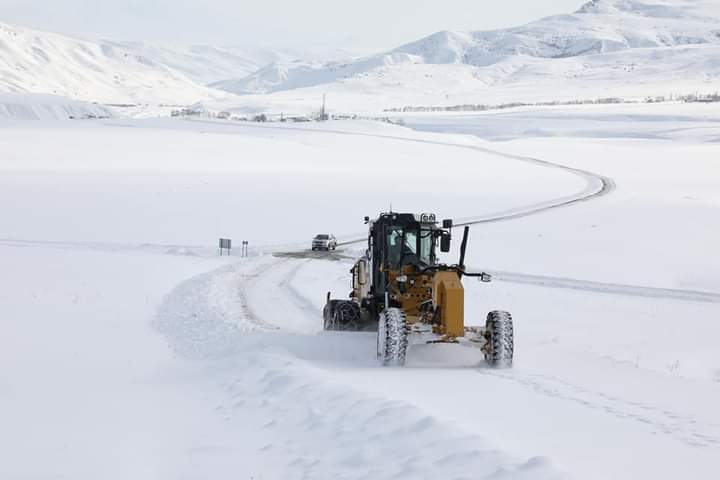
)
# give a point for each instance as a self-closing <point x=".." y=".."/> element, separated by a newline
<point x="131" y="350"/>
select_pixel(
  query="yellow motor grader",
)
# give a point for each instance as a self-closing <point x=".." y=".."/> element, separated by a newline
<point x="400" y="289"/>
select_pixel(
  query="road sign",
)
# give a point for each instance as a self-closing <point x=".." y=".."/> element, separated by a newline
<point x="225" y="244"/>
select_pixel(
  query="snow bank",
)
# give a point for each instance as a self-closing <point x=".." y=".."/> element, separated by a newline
<point x="48" y="107"/>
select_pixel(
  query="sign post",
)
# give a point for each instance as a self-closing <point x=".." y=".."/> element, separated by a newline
<point x="225" y="244"/>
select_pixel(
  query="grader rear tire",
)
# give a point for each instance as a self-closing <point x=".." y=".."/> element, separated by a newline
<point x="392" y="338"/>
<point x="500" y="338"/>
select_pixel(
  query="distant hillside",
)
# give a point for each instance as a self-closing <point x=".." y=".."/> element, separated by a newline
<point x="203" y="64"/>
<point x="206" y="64"/>
<point x="40" y="62"/>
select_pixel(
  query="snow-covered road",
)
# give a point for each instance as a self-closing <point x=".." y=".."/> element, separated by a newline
<point x="596" y="185"/>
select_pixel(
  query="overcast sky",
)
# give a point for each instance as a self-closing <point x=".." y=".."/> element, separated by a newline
<point x="359" y="24"/>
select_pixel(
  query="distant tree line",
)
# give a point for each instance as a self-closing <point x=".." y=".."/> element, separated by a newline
<point x="318" y="116"/>
<point x="691" y="98"/>
<point x="281" y="117"/>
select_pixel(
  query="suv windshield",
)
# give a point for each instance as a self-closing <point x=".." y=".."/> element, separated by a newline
<point x="322" y="237"/>
<point x="409" y="246"/>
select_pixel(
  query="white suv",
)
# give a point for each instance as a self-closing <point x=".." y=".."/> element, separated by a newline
<point x="324" y="241"/>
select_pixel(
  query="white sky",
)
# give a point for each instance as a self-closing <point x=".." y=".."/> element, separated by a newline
<point x="354" y="24"/>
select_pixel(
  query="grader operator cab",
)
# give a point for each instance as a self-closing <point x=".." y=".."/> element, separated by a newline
<point x="400" y="290"/>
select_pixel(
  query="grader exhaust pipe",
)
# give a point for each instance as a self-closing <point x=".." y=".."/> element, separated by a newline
<point x="484" y="277"/>
<point x="463" y="249"/>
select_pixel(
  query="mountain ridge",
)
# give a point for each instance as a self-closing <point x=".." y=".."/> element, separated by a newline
<point x="598" y="27"/>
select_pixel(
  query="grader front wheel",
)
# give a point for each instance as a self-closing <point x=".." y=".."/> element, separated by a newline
<point x="499" y="335"/>
<point x="392" y="340"/>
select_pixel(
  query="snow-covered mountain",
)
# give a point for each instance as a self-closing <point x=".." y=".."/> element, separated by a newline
<point x="599" y="27"/>
<point x="606" y="48"/>
<point x="206" y="64"/>
<point x="40" y="62"/>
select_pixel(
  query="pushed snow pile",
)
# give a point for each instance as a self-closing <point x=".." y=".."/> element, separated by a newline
<point x="48" y="107"/>
<point x="40" y="62"/>
<point x="599" y="27"/>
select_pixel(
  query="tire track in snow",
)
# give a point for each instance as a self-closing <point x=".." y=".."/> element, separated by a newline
<point x="685" y="428"/>
<point x="271" y="292"/>
<point x="300" y="300"/>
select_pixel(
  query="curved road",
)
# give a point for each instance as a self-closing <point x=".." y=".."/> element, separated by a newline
<point x="596" y="185"/>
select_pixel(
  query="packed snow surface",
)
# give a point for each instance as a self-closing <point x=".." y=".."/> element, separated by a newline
<point x="130" y="349"/>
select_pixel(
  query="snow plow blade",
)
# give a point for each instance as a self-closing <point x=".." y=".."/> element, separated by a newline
<point x="344" y="316"/>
